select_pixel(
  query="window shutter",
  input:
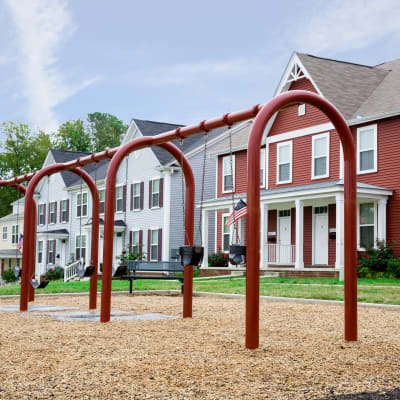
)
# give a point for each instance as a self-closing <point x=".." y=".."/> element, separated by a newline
<point x="141" y="242"/>
<point x="141" y="195"/>
<point x="150" y="193"/>
<point x="131" y="196"/>
<point x="68" y="210"/>
<point x="159" y="244"/>
<point x="44" y="213"/>
<point x="55" y="212"/>
<point x="54" y="251"/>
<point x="148" y="244"/>
<point x="124" y="198"/>
<point x="47" y="252"/>
<point x="161" y="191"/>
<point x="60" y="210"/>
<point x="38" y="214"/>
<point x="48" y="213"/>
<point x="130" y="241"/>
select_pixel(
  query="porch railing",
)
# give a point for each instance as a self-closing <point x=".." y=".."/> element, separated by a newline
<point x="284" y="254"/>
<point x="70" y="271"/>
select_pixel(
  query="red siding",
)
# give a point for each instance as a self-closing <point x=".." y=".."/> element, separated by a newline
<point x="288" y="119"/>
<point x="307" y="236"/>
<point x="331" y="242"/>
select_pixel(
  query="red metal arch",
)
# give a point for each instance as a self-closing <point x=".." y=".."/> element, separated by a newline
<point x="109" y="220"/>
<point x="28" y="257"/>
<point x="253" y="213"/>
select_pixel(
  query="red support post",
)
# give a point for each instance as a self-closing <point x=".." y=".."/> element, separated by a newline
<point x="253" y="210"/>
<point x="109" y="221"/>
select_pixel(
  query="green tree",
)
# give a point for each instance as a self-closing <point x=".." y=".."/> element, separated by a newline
<point x="106" y="130"/>
<point x="73" y="136"/>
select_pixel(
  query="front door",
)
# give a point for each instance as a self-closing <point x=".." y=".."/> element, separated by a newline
<point x="284" y="240"/>
<point x="321" y="238"/>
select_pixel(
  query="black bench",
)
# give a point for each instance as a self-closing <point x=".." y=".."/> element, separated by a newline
<point x="164" y="267"/>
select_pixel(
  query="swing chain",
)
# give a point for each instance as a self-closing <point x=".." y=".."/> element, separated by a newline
<point x="233" y="193"/>
<point x="185" y="234"/>
<point x="124" y="205"/>
<point x="202" y="186"/>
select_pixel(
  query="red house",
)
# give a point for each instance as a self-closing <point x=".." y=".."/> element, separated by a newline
<point x="302" y="168"/>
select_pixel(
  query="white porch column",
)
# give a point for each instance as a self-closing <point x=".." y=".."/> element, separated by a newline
<point x="263" y="235"/>
<point x="382" y="219"/>
<point x="339" y="231"/>
<point x="166" y="218"/>
<point x="299" y="233"/>
<point x="204" y="235"/>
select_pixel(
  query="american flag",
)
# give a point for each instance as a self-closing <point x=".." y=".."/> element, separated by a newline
<point x="20" y="242"/>
<point x="240" y="211"/>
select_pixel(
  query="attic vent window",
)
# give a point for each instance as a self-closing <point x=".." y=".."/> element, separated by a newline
<point x="295" y="74"/>
<point x="301" y="110"/>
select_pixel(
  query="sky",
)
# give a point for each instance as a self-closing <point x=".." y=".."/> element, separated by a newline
<point x="172" y="61"/>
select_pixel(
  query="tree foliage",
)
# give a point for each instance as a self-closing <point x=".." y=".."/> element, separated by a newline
<point x="73" y="136"/>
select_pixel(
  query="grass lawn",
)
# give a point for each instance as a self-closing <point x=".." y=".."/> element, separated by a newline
<point x="370" y="290"/>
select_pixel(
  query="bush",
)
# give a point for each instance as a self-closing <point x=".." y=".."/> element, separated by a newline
<point x="218" y="260"/>
<point x="55" y="273"/>
<point x="393" y="268"/>
<point x="376" y="259"/>
<point x="123" y="258"/>
<point x="8" y="276"/>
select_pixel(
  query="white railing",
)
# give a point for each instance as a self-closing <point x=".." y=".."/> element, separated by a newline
<point x="284" y="254"/>
<point x="70" y="271"/>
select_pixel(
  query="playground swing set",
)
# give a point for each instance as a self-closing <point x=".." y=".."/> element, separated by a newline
<point x="191" y="254"/>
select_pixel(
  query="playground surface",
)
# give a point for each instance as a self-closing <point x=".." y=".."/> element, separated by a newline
<point x="302" y="354"/>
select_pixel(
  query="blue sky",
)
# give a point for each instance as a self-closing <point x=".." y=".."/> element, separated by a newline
<point x="172" y="61"/>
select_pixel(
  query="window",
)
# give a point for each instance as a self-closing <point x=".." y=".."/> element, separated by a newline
<point x="320" y="156"/>
<point x="228" y="174"/>
<point x="14" y="234"/>
<point x="155" y="193"/>
<point x="367" y="225"/>
<point x="4" y="233"/>
<point x="226" y="233"/>
<point x="40" y="252"/>
<point x="154" y="245"/>
<point x="321" y="210"/>
<point x="367" y="149"/>
<point x="136" y="196"/>
<point x="119" y="197"/>
<point x="102" y="195"/>
<point x="41" y="214"/>
<point x="81" y="204"/>
<point x="301" y="110"/>
<point x="262" y="167"/>
<point x="284" y="213"/>
<point x="64" y="212"/>
<point x="135" y="242"/>
<point x="284" y="170"/>
<point x="50" y="252"/>
<point x="80" y="247"/>
<point x="52" y="213"/>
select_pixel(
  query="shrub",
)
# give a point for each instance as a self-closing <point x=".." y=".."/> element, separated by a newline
<point x="376" y="259"/>
<point x="123" y="258"/>
<point x="55" y="273"/>
<point x="8" y="276"/>
<point x="218" y="260"/>
<point x="393" y="268"/>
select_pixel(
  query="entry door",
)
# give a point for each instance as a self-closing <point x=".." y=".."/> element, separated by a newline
<point x="321" y="239"/>
<point x="284" y="240"/>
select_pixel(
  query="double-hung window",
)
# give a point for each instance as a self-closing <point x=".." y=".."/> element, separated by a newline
<point x="41" y="214"/>
<point x="40" y="252"/>
<point x="367" y="149"/>
<point x="154" y="245"/>
<point x="155" y="193"/>
<point x="367" y="224"/>
<point x="52" y="213"/>
<point x="226" y="233"/>
<point x="262" y="167"/>
<point x="119" y="197"/>
<point x="80" y="247"/>
<point x="228" y="174"/>
<point x="50" y="252"/>
<point x="284" y="162"/>
<point x="64" y="212"/>
<point x="81" y="204"/>
<point x="4" y="232"/>
<point x="320" y="156"/>
<point x="14" y="234"/>
<point x="136" y="196"/>
<point x="135" y="242"/>
<point x="102" y="196"/>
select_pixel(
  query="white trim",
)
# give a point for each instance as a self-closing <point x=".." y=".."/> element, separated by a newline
<point x="301" y="109"/>
<point x="374" y="127"/>
<point x="216" y="176"/>
<point x="279" y="145"/>
<point x="301" y="132"/>
<point x="263" y="175"/>
<point x="165" y="251"/>
<point x="314" y="138"/>
<point x="233" y="172"/>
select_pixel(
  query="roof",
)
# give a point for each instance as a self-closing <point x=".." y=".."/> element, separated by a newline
<point x="56" y="232"/>
<point x="240" y="139"/>
<point x="152" y="128"/>
<point x="347" y="85"/>
<point x="10" y="253"/>
<point x="13" y="217"/>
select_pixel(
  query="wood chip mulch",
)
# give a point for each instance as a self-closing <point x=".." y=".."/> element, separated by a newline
<point x="302" y="353"/>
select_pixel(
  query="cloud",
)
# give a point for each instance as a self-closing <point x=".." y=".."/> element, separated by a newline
<point x="42" y="25"/>
<point x="348" y="25"/>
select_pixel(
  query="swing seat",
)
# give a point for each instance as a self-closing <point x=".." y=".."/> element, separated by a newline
<point x="119" y="271"/>
<point x="191" y="255"/>
<point x="40" y="284"/>
<point x="83" y="272"/>
<point x="237" y="254"/>
<point x="17" y="272"/>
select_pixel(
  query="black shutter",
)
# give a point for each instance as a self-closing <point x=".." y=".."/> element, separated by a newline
<point x="161" y="191"/>
<point x="141" y="195"/>
<point x="132" y="197"/>
<point x="150" y="193"/>
<point x="124" y="198"/>
<point x="148" y="244"/>
<point x="159" y="244"/>
<point x="68" y="210"/>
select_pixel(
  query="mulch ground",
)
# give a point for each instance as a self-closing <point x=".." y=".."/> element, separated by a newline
<point x="302" y="353"/>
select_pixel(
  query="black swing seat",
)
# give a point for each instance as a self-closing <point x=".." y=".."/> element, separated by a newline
<point x="17" y="272"/>
<point x="237" y="254"/>
<point x="191" y="255"/>
<point x="40" y="284"/>
<point x="85" y="272"/>
<point x="119" y="271"/>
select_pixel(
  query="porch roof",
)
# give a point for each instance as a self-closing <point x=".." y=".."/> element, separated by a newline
<point x="10" y="253"/>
